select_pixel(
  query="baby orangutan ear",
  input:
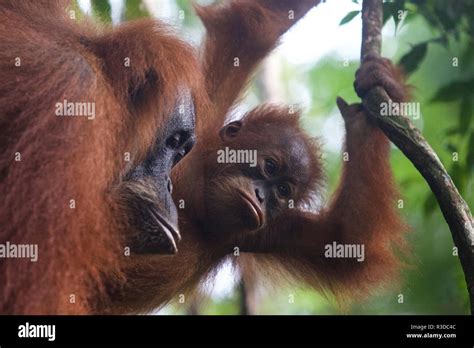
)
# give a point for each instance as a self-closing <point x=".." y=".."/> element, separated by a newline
<point x="229" y="131"/>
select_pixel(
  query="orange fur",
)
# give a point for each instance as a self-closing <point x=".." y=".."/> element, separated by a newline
<point x="74" y="158"/>
<point x="66" y="159"/>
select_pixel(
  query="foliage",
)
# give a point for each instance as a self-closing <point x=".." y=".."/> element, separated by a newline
<point x="134" y="9"/>
<point x="102" y="10"/>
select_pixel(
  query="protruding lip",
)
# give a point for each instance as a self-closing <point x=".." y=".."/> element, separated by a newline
<point x="169" y="229"/>
<point x="254" y="207"/>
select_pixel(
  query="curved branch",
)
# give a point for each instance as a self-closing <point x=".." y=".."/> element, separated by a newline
<point x="401" y="131"/>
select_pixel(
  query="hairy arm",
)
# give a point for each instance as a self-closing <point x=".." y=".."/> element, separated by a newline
<point x="362" y="214"/>
<point x="239" y="35"/>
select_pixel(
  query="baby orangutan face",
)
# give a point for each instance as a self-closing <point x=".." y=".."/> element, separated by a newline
<point x="277" y="173"/>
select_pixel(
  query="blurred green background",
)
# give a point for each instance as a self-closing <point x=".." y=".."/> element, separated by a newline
<point x="434" y="41"/>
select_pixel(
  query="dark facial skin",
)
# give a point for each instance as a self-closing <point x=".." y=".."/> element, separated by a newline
<point x="154" y="213"/>
<point x="242" y="198"/>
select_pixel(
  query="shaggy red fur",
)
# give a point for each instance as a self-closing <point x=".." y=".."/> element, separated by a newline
<point x="64" y="158"/>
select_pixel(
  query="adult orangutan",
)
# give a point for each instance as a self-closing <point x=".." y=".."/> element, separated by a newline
<point x="91" y="122"/>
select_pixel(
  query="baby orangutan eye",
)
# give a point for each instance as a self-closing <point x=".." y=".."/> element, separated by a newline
<point x="283" y="190"/>
<point x="270" y="167"/>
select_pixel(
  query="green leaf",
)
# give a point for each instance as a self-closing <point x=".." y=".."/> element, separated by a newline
<point x="391" y="9"/>
<point x="102" y="10"/>
<point x="134" y="9"/>
<point x="454" y="90"/>
<point x="468" y="55"/>
<point x="470" y="152"/>
<point x="412" y="59"/>
<point x="465" y="114"/>
<point x="399" y="10"/>
<point x="350" y="16"/>
<point x="387" y="11"/>
<point x="450" y="147"/>
<point x="442" y="40"/>
<point x="452" y="131"/>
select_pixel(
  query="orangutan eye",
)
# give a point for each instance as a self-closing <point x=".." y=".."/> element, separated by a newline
<point x="284" y="190"/>
<point x="174" y="141"/>
<point x="270" y="167"/>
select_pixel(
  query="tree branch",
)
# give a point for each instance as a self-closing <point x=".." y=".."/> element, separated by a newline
<point x="401" y="131"/>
